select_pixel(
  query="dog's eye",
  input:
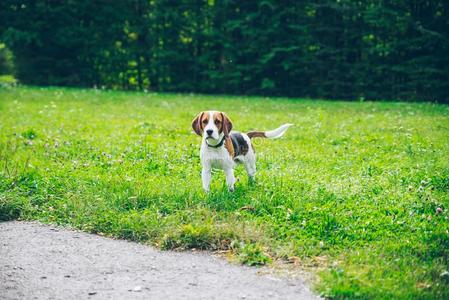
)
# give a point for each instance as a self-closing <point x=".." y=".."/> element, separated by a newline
<point x="204" y="121"/>
<point x="217" y="122"/>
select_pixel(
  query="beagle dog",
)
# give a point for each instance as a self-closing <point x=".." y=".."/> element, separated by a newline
<point x="222" y="149"/>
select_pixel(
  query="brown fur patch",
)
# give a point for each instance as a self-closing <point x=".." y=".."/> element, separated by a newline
<point x="254" y="134"/>
<point x="218" y="120"/>
<point x="229" y="146"/>
<point x="227" y="124"/>
<point x="223" y="123"/>
<point x="204" y="119"/>
<point x="199" y="122"/>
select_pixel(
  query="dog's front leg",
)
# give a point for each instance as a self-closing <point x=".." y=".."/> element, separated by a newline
<point x="230" y="179"/>
<point x="206" y="176"/>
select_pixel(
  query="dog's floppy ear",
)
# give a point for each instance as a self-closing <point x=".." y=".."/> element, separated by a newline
<point x="196" y="124"/>
<point x="227" y="124"/>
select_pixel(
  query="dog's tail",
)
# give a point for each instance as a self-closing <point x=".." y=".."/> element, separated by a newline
<point x="272" y="134"/>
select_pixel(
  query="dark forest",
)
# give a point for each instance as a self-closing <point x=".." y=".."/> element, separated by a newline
<point x="353" y="50"/>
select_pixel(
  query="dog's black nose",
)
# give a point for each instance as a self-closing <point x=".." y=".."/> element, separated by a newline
<point x="209" y="131"/>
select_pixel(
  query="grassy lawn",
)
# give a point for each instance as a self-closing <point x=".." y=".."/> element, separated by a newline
<point x="357" y="191"/>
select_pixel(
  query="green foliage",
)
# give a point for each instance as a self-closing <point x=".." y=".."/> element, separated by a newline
<point x="10" y="207"/>
<point x="204" y="237"/>
<point x="7" y="81"/>
<point x="29" y="134"/>
<point x="360" y="189"/>
<point x="330" y="49"/>
<point x="253" y="255"/>
<point x="6" y="61"/>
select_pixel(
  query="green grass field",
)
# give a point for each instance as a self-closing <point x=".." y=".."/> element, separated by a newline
<point x="358" y="192"/>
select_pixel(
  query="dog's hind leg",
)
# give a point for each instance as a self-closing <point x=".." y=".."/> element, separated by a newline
<point x="230" y="179"/>
<point x="250" y="166"/>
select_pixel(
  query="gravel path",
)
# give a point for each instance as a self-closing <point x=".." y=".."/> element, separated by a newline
<point x="47" y="262"/>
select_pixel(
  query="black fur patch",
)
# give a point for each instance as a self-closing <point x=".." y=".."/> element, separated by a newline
<point x="241" y="147"/>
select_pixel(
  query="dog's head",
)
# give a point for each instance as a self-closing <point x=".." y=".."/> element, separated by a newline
<point x="212" y="125"/>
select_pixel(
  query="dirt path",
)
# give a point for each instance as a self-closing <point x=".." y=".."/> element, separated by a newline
<point x="46" y="262"/>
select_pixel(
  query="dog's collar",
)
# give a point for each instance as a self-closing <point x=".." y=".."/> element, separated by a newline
<point x="217" y="145"/>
